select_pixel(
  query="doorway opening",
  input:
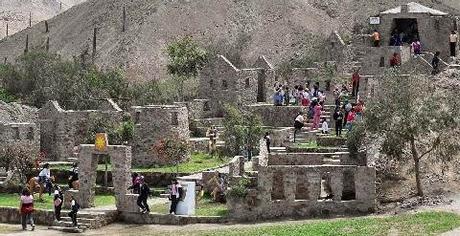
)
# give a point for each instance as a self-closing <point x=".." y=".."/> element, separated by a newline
<point x="406" y="29"/>
<point x="261" y="78"/>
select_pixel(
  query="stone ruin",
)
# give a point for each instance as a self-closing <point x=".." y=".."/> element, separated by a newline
<point x="296" y="184"/>
<point x="121" y="168"/>
<point x="63" y="130"/>
<point x="21" y="134"/>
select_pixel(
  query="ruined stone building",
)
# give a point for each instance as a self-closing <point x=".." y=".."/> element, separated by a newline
<point x="222" y="82"/>
<point x="62" y="130"/>
<point x="21" y="134"/>
<point x="154" y="123"/>
<point x="293" y="184"/>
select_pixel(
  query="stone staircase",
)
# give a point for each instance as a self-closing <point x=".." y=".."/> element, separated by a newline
<point x="87" y="219"/>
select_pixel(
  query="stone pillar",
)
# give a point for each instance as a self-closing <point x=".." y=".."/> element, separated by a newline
<point x="337" y="184"/>
<point x="314" y="185"/>
<point x="265" y="182"/>
<point x="121" y="172"/>
<point x="87" y="175"/>
<point x="290" y="179"/>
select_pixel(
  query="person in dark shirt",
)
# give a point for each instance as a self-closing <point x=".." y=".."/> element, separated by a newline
<point x="338" y="117"/>
<point x="267" y="141"/>
<point x="144" y="193"/>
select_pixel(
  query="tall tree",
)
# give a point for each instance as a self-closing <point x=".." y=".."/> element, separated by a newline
<point x="186" y="59"/>
<point x="414" y="116"/>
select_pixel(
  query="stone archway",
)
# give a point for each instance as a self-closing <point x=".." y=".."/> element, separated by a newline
<point x="121" y="168"/>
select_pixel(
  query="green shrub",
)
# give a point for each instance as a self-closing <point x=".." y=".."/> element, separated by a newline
<point x="240" y="189"/>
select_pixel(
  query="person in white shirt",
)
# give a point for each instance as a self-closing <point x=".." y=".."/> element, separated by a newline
<point x="453" y="38"/>
<point x="175" y="196"/>
<point x="298" y="123"/>
<point x="324" y="127"/>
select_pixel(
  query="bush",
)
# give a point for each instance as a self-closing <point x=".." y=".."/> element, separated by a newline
<point x="240" y="189"/>
<point x="19" y="158"/>
<point x="171" y="151"/>
<point x="356" y="138"/>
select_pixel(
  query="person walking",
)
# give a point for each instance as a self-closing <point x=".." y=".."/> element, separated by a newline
<point x="298" y="123"/>
<point x="350" y="119"/>
<point x="338" y="117"/>
<point x="355" y="81"/>
<point x="26" y="207"/>
<point x="416" y="47"/>
<point x="58" y="200"/>
<point x="267" y="141"/>
<point x="135" y="180"/>
<point x="143" y="196"/>
<point x="453" y="38"/>
<point x="435" y="63"/>
<point x="175" y="196"/>
<point x="74" y="208"/>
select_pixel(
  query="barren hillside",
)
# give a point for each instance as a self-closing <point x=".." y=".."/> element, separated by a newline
<point x="17" y="12"/>
<point x="277" y="29"/>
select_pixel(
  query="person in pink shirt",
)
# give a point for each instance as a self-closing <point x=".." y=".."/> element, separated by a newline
<point x="26" y="208"/>
<point x="316" y="116"/>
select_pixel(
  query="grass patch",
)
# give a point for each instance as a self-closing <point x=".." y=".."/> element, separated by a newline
<point x="198" y="162"/>
<point x="12" y="200"/>
<point x="425" y="223"/>
<point x="204" y="207"/>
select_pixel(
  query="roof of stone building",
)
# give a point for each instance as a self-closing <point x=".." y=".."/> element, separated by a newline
<point x="414" y="7"/>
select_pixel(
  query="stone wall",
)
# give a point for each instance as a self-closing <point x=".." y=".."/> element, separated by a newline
<point x="377" y="60"/>
<point x="154" y="123"/>
<point x="163" y="219"/>
<point x="21" y="134"/>
<point x="236" y="166"/>
<point x="298" y="192"/>
<point x="61" y="130"/>
<point x="307" y="158"/>
<point x="276" y="116"/>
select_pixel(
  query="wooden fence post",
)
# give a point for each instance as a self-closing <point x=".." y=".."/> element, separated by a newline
<point x="94" y="43"/>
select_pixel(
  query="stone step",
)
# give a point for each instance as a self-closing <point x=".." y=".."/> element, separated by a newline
<point x="69" y="224"/>
<point x="164" y="195"/>
<point x="79" y="220"/>
<point x="67" y="229"/>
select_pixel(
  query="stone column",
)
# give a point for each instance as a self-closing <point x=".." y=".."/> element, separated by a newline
<point x="290" y="179"/>
<point x="87" y="175"/>
<point x="121" y="172"/>
<point x="314" y="185"/>
<point x="337" y="184"/>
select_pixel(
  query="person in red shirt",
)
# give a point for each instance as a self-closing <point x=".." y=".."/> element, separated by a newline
<point x="394" y="61"/>
<point x="355" y="80"/>
<point x="350" y="119"/>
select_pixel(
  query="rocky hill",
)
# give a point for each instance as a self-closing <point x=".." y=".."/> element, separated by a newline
<point x="278" y="29"/>
<point x="17" y="12"/>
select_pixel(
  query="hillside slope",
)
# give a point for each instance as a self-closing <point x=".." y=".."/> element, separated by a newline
<point x="278" y="29"/>
<point x="17" y="12"/>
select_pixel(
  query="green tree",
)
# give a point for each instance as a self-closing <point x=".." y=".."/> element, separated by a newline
<point x="416" y="117"/>
<point x="186" y="59"/>
<point x="243" y="131"/>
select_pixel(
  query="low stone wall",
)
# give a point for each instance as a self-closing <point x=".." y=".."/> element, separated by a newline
<point x="296" y="149"/>
<point x="199" y="144"/>
<point x="305" y="158"/>
<point x="10" y="215"/>
<point x="279" y="137"/>
<point x="136" y="218"/>
<point x="236" y="166"/>
<point x="153" y="178"/>
<point x="330" y="141"/>
<point x="276" y="116"/>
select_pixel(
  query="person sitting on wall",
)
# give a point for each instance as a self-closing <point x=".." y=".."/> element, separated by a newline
<point x="298" y="123"/>
<point x="394" y="60"/>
